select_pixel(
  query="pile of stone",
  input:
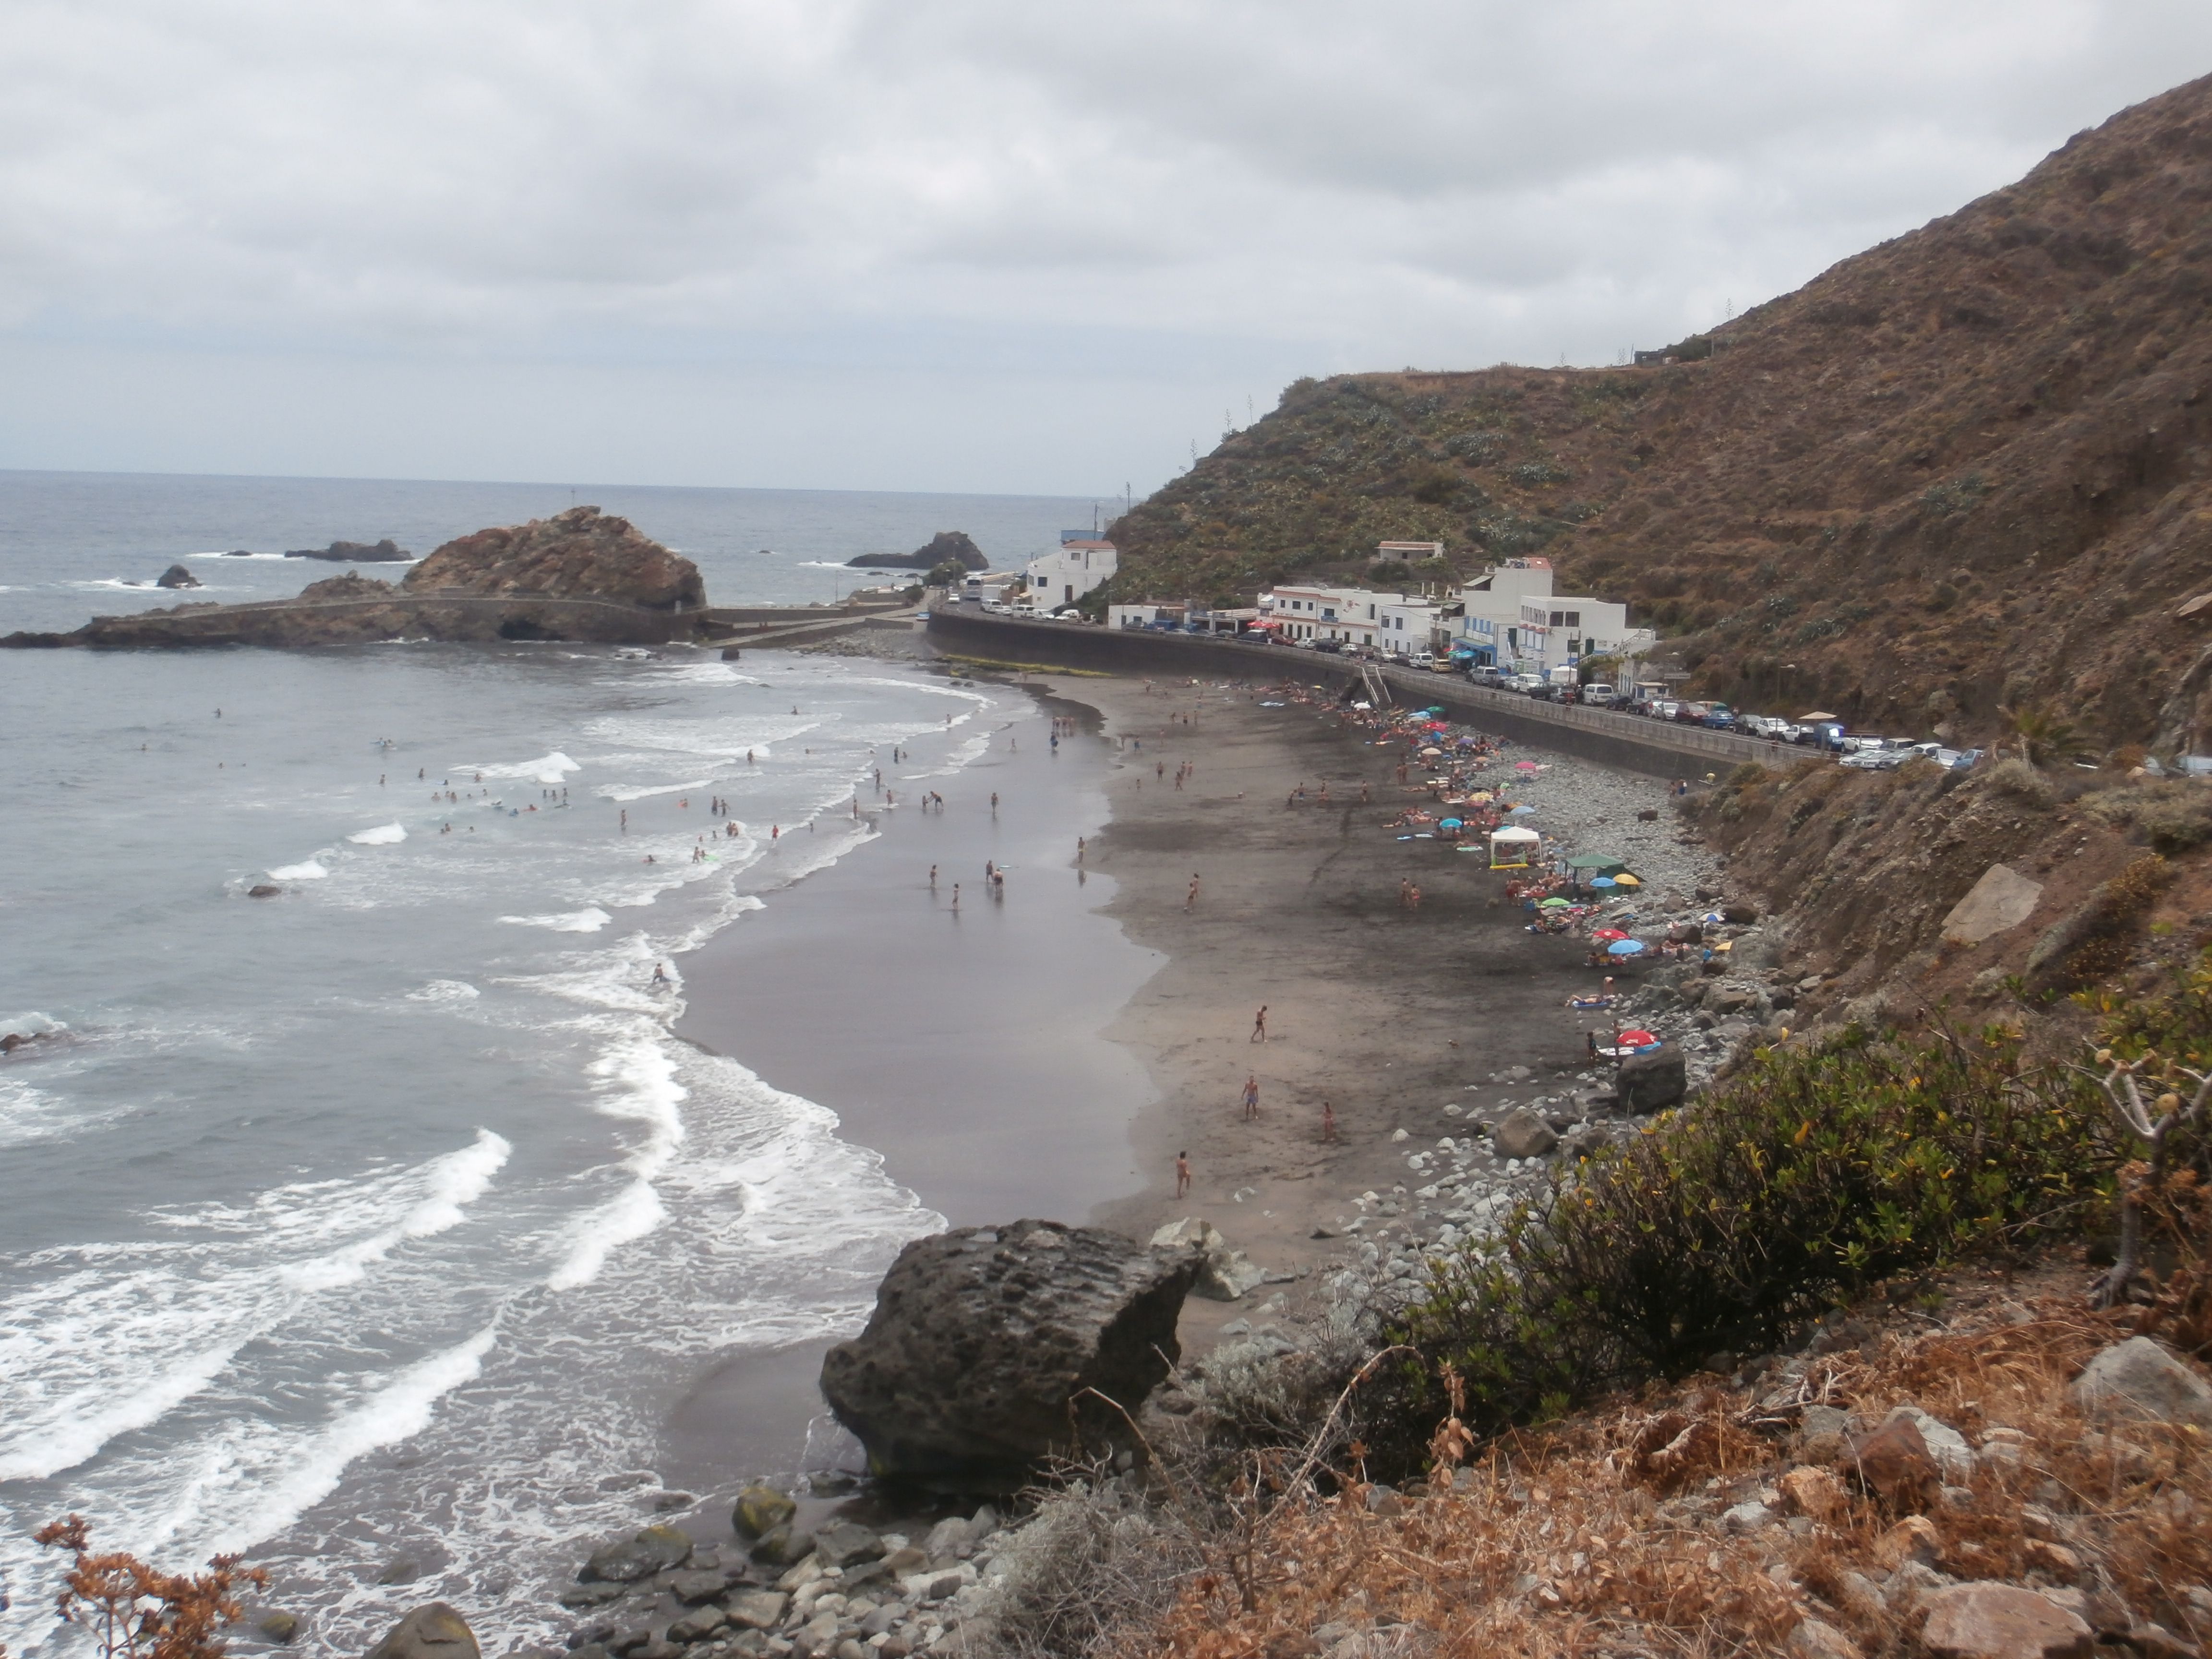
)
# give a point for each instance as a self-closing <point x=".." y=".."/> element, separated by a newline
<point x="836" y="1590"/>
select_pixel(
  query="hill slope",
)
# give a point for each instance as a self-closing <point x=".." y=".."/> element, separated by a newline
<point x="1962" y="473"/>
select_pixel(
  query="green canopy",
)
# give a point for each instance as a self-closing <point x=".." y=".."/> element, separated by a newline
<point x="1602" y="862"/>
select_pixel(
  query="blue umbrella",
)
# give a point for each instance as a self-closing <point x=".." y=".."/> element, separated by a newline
<point x="1449" y="823"/>
<point x="1518" y="810"/>
<point x="1625" y="947"/>
<point x="1602" y="881"/>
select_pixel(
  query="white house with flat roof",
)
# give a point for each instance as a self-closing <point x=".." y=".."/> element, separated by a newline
<point x="1407" y="552"/>
<point x="1490" y="619"/>
<point x="1064" y="576"/>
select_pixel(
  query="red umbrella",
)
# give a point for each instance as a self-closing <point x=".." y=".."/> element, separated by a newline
<point x="1608" y="933"/>
<point x="1636" y="1039"/>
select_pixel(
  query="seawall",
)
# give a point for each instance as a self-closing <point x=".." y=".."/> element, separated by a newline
<point x="1657" y="747"/>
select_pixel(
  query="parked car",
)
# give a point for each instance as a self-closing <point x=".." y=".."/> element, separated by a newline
<point x="1486" y="673"/>
<point x="1720" y="717"/>
<point x="1596" y="695"/>
<point x="1329" y="647"/>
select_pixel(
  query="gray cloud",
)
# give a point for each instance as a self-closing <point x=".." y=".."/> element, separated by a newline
<point x="939" y="243"/>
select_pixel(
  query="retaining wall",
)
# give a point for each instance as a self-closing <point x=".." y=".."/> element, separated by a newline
<point x="1661" y="748"/>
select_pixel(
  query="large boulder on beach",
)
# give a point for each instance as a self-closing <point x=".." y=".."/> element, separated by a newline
<point x="988" y="1346"/>
<point x="581" y="554"/>
<point x="1223" y="1274"/>
<point x="436" y="1631"/>
<point x="1524" y="1134"/>
<point x="1652" y="1081"/>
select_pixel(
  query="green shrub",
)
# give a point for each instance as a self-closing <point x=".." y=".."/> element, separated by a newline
<point x="1812" y="1175"/>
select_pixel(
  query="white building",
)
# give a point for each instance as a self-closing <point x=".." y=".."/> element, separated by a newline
<point x="1407" y="552"/>
<point x="1143" y="615"/>
<point x="1403" y="625"/>
<point x="1318" y="613"/>
<point x="1489" y="618"/>
<point x="1556" y="631"/>
<point x="1064" y="576"/>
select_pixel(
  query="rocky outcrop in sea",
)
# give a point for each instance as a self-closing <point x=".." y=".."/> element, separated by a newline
<point x="581" y="575"/>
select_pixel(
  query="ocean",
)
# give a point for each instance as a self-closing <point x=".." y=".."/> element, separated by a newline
<point x="372" y="1228"/>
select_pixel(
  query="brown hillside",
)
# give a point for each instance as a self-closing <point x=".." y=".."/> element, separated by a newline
<point x="1961" y="473"/>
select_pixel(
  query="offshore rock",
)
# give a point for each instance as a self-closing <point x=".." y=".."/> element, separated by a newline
<point x="976" y="1363"/>
<point x="384" y="552"/>
<point x="176" y="576"/>
<point x="433" y="1632"/>
<point x="580" y="575"/>
<point x="946" y="545"/>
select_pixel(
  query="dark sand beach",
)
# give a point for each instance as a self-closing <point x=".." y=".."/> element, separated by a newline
<point x="1050" y="1053"/>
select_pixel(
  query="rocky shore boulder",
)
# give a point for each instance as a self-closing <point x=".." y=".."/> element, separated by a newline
<point x="976" y="1363"/>
<point x="581" y="554"/>
<point x="1223" y="1274"/>
<point x="946" y="547"/>
<point x="433" y="1632"/>
<point x="176" y="576"/>
<point x="1647" y="1083"/>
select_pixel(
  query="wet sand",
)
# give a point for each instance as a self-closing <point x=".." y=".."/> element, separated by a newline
<point x="966" y="1047"/>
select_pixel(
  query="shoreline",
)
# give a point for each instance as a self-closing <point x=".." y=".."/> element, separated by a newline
<point x="1414" y="1025"/>
<point x="965" y="1049"/>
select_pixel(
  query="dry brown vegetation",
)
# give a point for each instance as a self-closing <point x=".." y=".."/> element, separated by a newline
<point x="1608" y="1533"/>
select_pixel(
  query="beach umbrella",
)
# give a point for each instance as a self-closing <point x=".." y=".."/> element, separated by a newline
<point x="1478" y="798"/>
<point x="1525" y="766"/>
<point x="1517" y="811"/>
<point x="1625" y="880"/>
<point x="1637" y="1038"/>
<point x="1550" y="904"/>
<point x="1449" y="823"/>
<point x="1625" y="947"/>
<point x="1601" y="881"/>
<point x="1432" y="749"/>
<point x="1608" y="934"/>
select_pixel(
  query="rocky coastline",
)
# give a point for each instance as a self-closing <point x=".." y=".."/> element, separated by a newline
<point x="580" y="575"/>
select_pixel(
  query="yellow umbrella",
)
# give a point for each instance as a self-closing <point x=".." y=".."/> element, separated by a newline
<point x="1626" y="881"/>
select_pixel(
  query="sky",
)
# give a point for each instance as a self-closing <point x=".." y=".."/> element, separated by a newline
<point x="954" y="245"/>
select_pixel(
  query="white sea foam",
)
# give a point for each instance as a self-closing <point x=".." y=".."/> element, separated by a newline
<point x="399" y="1410"/>
<point x="310" y="871"/>
<point x="571" y="922"/>
<point x="445" y="990"/>
<point x="449" y="1185"/>
<point x="546" y="769"/>
<point x="629" y="791"/>
<point x="639" y="1084"/>
<point x="384" y="834"/>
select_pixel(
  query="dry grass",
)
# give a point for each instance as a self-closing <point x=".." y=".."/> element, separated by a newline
<point x="1604" y="1535"/>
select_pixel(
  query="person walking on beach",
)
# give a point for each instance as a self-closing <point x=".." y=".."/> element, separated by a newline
<point x="933" y="878"/>
<point x="956" y="895"/>
<point x="1259" y="1025"/>
<point x="1191" y="897"/>
<point x="1251" y="1096"/>
<point x="1078" y="849"/>
<point x="1327" y="1124"/>
<point x="1182" y="1173"/>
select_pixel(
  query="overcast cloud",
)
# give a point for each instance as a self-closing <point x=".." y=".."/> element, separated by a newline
<point x="936" y="244"/>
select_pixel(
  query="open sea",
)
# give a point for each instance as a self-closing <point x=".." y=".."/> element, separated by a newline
<point x="374" y="1225"/>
